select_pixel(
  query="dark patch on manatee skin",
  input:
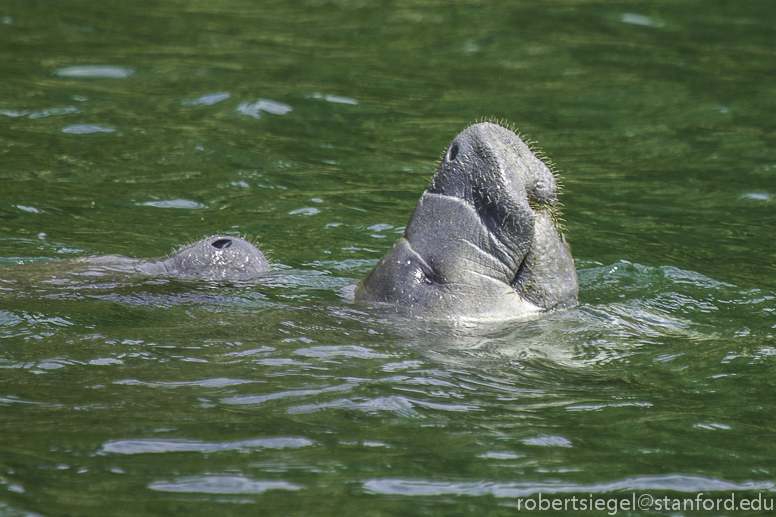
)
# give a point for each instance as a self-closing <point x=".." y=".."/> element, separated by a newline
<point x="482" y="241"/>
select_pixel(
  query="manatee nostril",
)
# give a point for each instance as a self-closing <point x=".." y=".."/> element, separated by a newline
<point x="221" y="243"/>
<point x="453" y="152"/>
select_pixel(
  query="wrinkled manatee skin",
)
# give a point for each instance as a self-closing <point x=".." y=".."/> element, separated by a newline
<point x="481" y="241"/>
<point x="219" y="257"/>
<point x="547" y="277"/>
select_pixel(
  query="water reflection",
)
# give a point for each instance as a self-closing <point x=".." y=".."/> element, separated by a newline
<point x="127" y="394"/>
<point x="222" y="485"/>
<point x="254" y="109"/>
<point x="208" y="99"/>
<point x="82" y="129"/>
<point x="95" y="72"/>
<point x="686" y="484"/>
<point x="154" y="446"/>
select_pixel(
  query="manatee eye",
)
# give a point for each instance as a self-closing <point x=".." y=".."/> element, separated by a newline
<point x="452" y="152"/>
<point x="221" y="243"/>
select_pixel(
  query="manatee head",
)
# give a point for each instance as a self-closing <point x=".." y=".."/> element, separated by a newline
<point x="482" y="241"/>
<point x="219" y="257"/>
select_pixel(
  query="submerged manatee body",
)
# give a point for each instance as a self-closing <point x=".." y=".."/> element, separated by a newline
<point x="482" y="241"/>
<point x="219" y="257"/>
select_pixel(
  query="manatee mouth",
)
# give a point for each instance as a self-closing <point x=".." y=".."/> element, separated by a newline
<point x="221" y="243"/>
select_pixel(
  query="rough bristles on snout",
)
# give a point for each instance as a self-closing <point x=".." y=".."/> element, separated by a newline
<point x="482" y="241"/>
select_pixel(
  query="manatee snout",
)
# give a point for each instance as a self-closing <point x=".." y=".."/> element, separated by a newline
<point x="220" y="257"/>
<point x="482" y="241"/>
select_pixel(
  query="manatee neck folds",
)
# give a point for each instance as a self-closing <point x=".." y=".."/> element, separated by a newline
<point x="482" y="241"/>
<point x="219" y="257"/>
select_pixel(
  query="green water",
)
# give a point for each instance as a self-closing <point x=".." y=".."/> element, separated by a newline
<point x="312" y="128"/>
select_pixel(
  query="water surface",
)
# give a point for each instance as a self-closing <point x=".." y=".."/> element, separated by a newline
<point x="312" y="128"/>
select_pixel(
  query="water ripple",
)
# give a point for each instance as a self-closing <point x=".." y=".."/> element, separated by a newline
<point x="548" y="441"/>
<point x="82" y="129"/>
<point x="95" y="72"/>
<point x="222" y="485"/>
<point x="146" y="446"/>
<point x="207" y="100"/>
<point x="254" y="109"/>
<point x="330" y="352"/>
<point x="258" y="399"/>
<point x="672" y="482"/>
<point x="402" y="406"/>
<point x="206" y="383"/>
<point x="175" y="203"/>
<point x="336" y="99"/>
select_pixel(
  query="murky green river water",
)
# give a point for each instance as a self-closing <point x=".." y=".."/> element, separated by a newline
<point x="312" y="128"/>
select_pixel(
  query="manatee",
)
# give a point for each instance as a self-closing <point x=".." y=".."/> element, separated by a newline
<point x="219" y="257"/>
<point x="483" y="240"/>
